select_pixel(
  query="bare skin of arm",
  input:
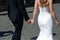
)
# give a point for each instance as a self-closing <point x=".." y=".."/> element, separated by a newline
<point x="52" y="11"/>
<point x="35" y="9"/>
<point x="34" y="12"/>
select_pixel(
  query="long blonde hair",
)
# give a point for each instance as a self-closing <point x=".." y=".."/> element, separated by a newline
<point x="44" y="2"/>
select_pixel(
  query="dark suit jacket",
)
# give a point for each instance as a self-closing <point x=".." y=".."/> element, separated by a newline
<point x="14" y="6"/>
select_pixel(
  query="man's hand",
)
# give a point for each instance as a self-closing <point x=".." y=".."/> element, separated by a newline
<point x="29" y="21"/>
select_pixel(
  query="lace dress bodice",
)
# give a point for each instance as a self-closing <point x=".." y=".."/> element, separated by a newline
<point x="43" y="9"/>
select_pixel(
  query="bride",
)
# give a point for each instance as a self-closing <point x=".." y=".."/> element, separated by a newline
<point x="44" y="18"/>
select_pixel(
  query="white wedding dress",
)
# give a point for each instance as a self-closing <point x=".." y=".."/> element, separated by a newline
<point x="45" y="24"/>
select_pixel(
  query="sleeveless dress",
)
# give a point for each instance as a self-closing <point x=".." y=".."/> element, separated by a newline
<point x="45" y="24"/>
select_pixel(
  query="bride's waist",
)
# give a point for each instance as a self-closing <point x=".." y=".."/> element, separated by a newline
<point x="44" y="11"/>
<point x="44" y="14"/>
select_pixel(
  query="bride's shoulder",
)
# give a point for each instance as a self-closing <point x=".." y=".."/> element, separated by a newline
<point x="50" y="1"/>
<point x="37" y="2"/>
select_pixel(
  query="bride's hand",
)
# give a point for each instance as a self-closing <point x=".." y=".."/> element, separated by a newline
<point x="57" y="23"/>
<point x="32" y="21"/>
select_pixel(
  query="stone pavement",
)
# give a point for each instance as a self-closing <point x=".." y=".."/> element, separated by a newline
<point x="29" y="31"/>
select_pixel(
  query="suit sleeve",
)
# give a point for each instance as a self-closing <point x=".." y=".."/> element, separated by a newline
<point x="22" y="9"/>
<point x="8" y="7"/>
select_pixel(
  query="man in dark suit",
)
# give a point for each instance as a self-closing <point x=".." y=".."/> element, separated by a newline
<point x="16" y="13"/>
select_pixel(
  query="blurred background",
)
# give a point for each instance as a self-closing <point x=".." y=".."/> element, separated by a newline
<point x="28" y="3"/>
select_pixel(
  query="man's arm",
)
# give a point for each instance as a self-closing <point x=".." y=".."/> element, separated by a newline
<point x="22" y="9"/>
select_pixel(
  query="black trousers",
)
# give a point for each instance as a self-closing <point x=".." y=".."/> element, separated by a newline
<point x="18" y="24"/>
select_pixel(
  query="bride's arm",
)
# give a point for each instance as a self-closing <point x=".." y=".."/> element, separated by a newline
<point x="35" y="9"/>
<point x="52" y="10"/>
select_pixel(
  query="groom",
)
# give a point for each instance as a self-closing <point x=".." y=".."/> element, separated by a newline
<point x="16" y="13"/>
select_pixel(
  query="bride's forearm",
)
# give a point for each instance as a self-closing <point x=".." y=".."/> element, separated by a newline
<point x="54" y="16"/>
<point x="35" y="9"/>
<point x="34" y="13"/>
